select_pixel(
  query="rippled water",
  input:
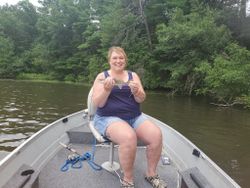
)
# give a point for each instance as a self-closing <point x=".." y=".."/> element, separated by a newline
<point x="222" y="133"/>
<point x="26" y="107"/>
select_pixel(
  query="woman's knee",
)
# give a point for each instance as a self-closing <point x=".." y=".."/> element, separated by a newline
<point x="156" y="138"/>
<point x="122" y="135"/>
<point x="150" y="133"/>
<point x="129" y="138"/>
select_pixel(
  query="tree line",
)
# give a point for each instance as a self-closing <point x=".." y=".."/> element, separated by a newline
<point x="190" y="47"/>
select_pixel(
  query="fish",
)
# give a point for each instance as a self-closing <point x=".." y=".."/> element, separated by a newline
<point x="118" y="83"/>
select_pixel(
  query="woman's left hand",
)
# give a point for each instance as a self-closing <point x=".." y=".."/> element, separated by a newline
<point x="134" y="86"/>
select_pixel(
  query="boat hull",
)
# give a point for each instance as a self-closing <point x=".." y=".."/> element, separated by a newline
<point x="41" y="147"/>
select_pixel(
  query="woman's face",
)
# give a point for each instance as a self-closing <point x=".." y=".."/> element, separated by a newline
<point x="117" y="61"/>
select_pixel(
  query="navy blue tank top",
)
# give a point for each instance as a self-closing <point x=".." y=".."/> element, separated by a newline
<point x="120" y="103"/>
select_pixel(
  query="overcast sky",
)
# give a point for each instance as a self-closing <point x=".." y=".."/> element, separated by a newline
<point x="13" y="2"/>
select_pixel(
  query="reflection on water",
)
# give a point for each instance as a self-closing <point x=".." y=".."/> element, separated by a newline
<point x="222" y="133"/>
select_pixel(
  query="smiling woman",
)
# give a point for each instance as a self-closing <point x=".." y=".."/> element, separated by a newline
<point x="119" y="118"/>
<point x="13" y="2"/>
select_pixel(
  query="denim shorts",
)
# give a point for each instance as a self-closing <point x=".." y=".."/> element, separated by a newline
<point x="101" y="123"/>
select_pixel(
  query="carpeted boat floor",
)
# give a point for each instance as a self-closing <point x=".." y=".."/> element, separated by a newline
<point x="52" y="177"/>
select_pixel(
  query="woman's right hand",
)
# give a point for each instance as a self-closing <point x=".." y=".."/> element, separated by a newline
<point x="108" y="83"/>
<point x="101" y="89"/>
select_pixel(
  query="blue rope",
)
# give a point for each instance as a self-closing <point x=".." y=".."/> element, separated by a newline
<point x="75" y="161"/>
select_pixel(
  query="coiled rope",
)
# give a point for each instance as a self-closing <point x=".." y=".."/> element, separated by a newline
<point x="75" y="160"/>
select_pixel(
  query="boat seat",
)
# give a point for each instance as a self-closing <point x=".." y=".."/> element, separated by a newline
<point x="110" y="165"/>
<point x="193" y="178"/>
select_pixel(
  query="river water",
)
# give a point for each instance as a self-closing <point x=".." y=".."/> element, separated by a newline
<point x="222" y="133"/>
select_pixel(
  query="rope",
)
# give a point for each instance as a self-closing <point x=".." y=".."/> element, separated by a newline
<point x="75" y="160"/>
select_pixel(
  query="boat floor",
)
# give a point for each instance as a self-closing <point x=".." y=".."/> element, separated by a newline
<point x="52" y="176"/>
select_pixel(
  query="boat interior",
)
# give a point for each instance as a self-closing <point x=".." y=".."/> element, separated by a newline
<point x="83" y="173"/>
<point x="92" y="171"/>
<point x="81" y="139"/>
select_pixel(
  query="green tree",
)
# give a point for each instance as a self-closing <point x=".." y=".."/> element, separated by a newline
<point x="8" y="67"/>
<point x="233" y="14"/>
<point x="227" y="79"/>
<point x="18" y="23"/>
<point x="61" y="26"/>
<point x="183" y="44"/>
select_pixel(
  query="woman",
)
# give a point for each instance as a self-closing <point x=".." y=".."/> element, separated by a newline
<point x="119" y="118"/>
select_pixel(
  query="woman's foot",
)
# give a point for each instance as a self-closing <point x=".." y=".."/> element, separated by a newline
<point x="156" y="182"/>
<point x="125" y="184"/>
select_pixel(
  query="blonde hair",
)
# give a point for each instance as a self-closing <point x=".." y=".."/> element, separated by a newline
<point x="118" y="50"/>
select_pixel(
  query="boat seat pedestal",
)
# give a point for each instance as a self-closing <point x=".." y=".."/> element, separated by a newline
<point x="111" y="165"/>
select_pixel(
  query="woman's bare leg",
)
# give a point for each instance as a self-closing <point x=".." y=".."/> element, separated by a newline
<point x="151" y="135"/>
<point x="125" y="136"/>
